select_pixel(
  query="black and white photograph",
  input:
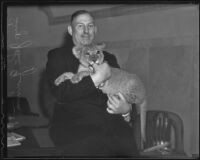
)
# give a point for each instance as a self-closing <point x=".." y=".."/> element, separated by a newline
<point x="100" y="80"/>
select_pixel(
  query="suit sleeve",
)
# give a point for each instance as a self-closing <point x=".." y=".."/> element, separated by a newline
<point x="111" y="60"/>
<point x="66" y="91"/>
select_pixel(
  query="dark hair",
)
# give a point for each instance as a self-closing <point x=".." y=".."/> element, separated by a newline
<point x="79" y="12"/>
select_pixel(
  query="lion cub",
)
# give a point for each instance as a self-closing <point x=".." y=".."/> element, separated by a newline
<point x="87" y="56"/>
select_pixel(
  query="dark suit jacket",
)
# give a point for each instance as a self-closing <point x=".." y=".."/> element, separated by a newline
<point x="83" y="96"/>
<point x="80" y="111"/>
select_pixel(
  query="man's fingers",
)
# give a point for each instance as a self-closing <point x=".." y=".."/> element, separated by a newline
<point x="121" y="96"/>
<point x="113" y="100"/>
<point x="110" y="105"/>
<point x="109" y="110"/>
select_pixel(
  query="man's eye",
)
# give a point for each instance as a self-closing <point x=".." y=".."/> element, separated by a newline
<point x="98" y="52"/>
<point x="79" y="26"/>
<point x="87" y="53"/>
<point x="91" y="26"/>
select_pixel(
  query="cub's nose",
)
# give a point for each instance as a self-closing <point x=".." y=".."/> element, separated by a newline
<point x="93" y="58"/>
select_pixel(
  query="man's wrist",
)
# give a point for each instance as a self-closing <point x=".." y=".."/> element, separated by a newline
<point x="127" y="117"/>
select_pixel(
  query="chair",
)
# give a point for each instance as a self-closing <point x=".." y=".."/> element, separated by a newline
<point x="45" y="97"/>
<point x="18" y="106"/>
<point x="161" y="126"/>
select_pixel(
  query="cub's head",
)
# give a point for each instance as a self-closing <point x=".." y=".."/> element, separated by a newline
<point x="88" y="55"/>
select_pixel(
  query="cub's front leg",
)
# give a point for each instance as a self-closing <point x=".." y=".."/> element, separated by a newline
<point x="63" y="77"/>
<point x="79" y="76"/>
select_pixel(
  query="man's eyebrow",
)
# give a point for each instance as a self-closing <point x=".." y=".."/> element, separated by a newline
<point x="83" y="23"/>
<point x="79" y="23"/>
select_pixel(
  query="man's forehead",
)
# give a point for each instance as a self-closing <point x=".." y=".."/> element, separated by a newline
<point x="86" y="18"/>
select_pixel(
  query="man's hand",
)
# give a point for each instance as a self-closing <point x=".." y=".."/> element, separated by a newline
<point x="102" y="72"/>
<point x="117" y="104"/>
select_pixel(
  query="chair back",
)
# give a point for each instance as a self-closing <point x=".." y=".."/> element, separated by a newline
<point x="161" y="127"/>
<point x="18" y="106"/>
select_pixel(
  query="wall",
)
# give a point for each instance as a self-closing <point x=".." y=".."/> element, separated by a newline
<point x="160" y="45"/>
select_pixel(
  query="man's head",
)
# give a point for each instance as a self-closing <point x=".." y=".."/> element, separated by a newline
<point x="82" y="28"/>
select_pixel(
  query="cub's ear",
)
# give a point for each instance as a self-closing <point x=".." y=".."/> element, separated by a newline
<point x="77" y="51"/>
<point x="101" y="46"/>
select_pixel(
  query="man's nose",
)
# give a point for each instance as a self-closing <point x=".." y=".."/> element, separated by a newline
<point x="86" y="29"/>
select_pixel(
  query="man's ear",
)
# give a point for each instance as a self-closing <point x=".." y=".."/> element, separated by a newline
<point x="69" y="28"/>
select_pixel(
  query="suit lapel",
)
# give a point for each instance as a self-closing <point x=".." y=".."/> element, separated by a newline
<point x="72" y="60"/>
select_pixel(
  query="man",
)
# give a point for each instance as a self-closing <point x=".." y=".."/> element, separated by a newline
<point x="86" y="122"/>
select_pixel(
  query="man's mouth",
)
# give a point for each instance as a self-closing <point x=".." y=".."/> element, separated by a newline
<point x="85" y="36"/>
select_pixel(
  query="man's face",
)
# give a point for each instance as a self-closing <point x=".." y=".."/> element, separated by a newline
<point x="83" y="30"/>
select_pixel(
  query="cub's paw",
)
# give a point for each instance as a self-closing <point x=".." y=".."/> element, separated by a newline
<point x="75" y="79"/>
<point x="63" y="77"/>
